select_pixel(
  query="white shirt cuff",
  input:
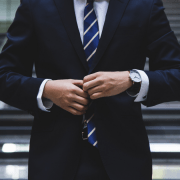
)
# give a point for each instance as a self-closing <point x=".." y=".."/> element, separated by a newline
<point x="43" y="103"/>
<point x="142" y="95"/>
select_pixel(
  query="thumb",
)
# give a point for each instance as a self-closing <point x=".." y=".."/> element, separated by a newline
<point x="78" y="82"/>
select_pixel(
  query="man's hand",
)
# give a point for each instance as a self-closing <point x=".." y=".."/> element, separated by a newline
<point x="103" y="84"/>
<point x="68" y="95"/>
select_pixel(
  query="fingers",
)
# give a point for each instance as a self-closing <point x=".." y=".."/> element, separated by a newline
<point x="79" y="107"/>
<point x="78" y="82"/>
<point x="96" y="95"/>
<point x="95" y="90"/>
<point x="90" y="77"/>
<point x="91" y="84"/>
<point x="81" y="93"/>
<point x="81" y="100"/>
<point x="74" y="111"/>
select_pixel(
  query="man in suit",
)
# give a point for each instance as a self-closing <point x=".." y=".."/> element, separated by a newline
<point x="86" y="99"/>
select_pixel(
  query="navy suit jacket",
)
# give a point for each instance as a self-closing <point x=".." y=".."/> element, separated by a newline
<point x="45" y="32"/>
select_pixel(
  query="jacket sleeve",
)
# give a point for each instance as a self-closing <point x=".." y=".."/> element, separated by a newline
<point x="163" y="51"/>
<point x="17" y="86"/>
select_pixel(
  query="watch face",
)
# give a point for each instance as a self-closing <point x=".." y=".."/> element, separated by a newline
<point x="135" y="76"/>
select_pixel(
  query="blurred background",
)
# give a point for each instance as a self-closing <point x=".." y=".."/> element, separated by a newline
<point x="162" y="121"/>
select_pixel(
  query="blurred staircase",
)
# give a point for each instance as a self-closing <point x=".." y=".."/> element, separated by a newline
<point x="162" y="125"/>
<point x="172" y="9"/>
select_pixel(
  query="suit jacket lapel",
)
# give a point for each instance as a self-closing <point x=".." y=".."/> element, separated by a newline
<point x="66" y="11"/>
<point x="114" y="14"/>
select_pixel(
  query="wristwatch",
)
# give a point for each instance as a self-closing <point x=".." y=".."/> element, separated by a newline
<point x="136" y="79"/>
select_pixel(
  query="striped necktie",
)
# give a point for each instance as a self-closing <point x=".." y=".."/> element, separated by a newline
<point x="91" y="40"/>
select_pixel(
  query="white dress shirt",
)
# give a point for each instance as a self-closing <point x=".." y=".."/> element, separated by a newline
<point x="100" y="8"/>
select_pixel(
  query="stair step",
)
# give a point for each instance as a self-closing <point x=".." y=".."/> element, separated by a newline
<point x="167" y="155"/>
<point x="16" y="139"/>
<point x="164" y="138"/>
<point x="173" y="18"/>
<point x="14" y="155"/>
<point x="174" y="11"/>
<point x="163" y="130"/>
<point x="155" y="155"/>
<point x="26" y="130"/>
<point x="171" y="5"/>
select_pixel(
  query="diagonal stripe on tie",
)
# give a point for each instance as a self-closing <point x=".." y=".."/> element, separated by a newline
<point x="91" y="40"/>
<point x="88" y="14"/>
<point x="95" y="143"/>
<point x="90" y="26"/>
<point x="91" y="54"/>
<point x="91" y="132"/>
